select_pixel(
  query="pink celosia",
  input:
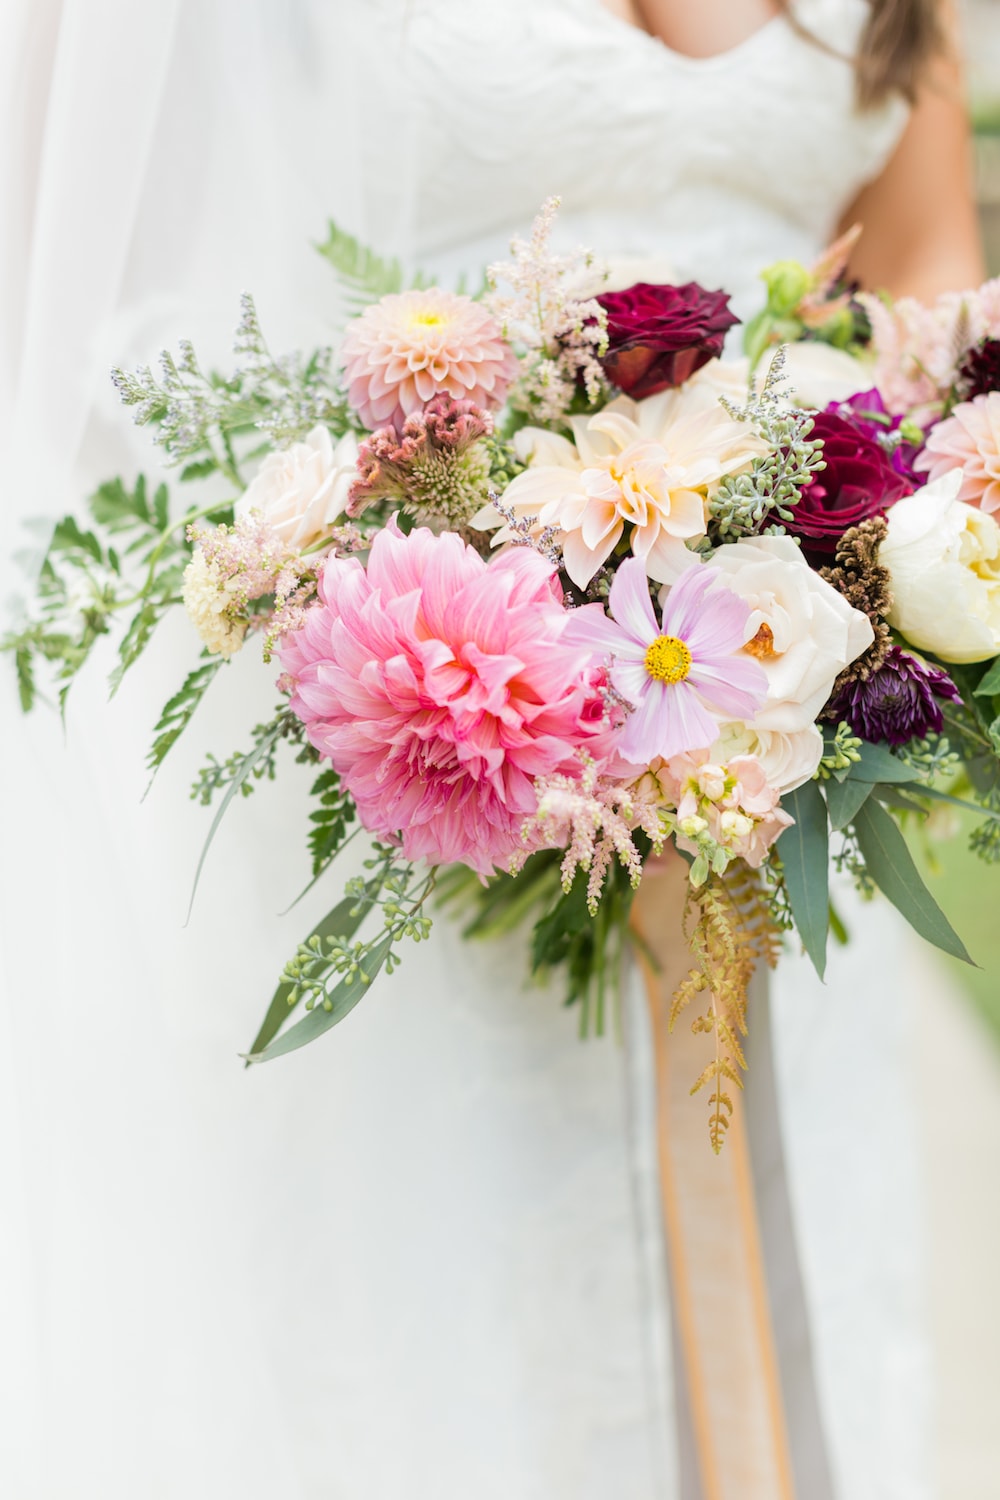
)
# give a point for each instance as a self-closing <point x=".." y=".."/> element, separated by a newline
<point x="440" y="687"/>
<point x="412" y="346"/>
<point x="438" y="466"/>
<point x="682" y="678"/>
<point x="968" y="440"/>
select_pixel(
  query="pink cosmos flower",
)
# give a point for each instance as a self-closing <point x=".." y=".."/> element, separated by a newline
<point x="440" y="687"/>
<point x="968" y="440"/>
<point x="411" y="346"/>
<point x="683" y="677"/>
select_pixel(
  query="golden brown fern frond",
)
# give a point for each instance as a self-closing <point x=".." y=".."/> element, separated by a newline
<point x="729" y="928"/>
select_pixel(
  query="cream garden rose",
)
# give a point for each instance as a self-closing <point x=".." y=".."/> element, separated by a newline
<point x="301" y="491"/>
<point x="802" y="631"/>
<point x="787" y="760"/>
<point x="944" y="562"/>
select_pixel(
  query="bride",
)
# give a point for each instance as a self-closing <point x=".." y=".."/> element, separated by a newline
<point x="425" y="1258"/>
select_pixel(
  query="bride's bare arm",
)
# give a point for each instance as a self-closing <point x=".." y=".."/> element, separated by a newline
<point x="921" y="234"/>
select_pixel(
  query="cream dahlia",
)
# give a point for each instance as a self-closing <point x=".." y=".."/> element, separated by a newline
<point x="968" y="440"/>
<point x="412" y="346"/>
<point x="641" y="470"/>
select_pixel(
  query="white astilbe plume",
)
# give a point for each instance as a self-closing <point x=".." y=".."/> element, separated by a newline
<point x="594" y="818"/>
<point x="557" y="334"/>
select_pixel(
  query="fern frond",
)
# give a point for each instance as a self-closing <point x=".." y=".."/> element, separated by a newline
<point x="729" y="928"/>
<point x="364" y="276"/>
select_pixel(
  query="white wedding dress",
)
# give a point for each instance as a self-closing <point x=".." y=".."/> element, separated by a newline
<point x="421" y="1258"/>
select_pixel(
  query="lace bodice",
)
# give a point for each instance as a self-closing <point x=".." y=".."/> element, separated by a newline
<point x="719" y="165"/>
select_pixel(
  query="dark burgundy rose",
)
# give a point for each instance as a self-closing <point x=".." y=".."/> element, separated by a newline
<point x="980" y="372"/>
<point x="659" y="335"/>
<point x="867" y="412"/>
<point x="898" y="702"/>
<point x="858" y="481"/>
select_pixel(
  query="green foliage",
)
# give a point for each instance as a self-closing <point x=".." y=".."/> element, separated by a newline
<point x="178" y="710"/>
<point x="805" y="861"/>
<point x="891" y="866"/>
<point x="743" y="503"/>
<point x="364" y="276"/>
<point x="128" y="566"/>
<point x="329" y="820"/>
<point x="212" y="423"/>
<point x="330" y="973"/>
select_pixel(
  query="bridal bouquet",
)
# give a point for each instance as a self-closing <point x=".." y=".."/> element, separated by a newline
<point x="549" y="586"/>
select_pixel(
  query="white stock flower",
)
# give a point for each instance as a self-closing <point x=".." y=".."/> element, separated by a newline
<point x="801" y="630"/>
<point x="301" y="491"/>
<point x="209" y="601"/>
<point x="944" y="562"/>
<point x="787" y="760"/>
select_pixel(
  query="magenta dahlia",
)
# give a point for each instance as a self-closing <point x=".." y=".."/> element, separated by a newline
<point x="440" y="686"/>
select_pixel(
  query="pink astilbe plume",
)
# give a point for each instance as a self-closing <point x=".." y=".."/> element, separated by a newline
<point x="412" y="346"/>
<point x="440" y="687"/>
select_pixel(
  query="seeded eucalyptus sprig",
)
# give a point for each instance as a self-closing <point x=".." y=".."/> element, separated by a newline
<point x="743" y="503"/>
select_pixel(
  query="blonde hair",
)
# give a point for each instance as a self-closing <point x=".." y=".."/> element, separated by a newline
<point x="900" y="40"/>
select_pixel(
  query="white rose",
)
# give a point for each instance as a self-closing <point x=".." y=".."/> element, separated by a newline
<point x="944" y="561"/>
<point x="801" y="630"/>
<point x="819" y="374"/>
<point x="300" y="491"/>
<point x="787" y="760"/>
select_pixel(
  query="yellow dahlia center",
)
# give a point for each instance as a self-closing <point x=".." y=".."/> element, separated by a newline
<point x="668" y="659"/>
<point x="427" y="320"/>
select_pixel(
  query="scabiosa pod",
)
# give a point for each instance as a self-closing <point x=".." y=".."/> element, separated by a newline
<point x="683" y="676"/>
<point x="438" y="466"/>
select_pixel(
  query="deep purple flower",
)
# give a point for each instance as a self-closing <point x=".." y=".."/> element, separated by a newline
<point x="897" y="703"/>
<point x="980" y="372"/>
<point x="858" y="482"/>
<point x="659" y="335"/>
<point x="868" y="413"/>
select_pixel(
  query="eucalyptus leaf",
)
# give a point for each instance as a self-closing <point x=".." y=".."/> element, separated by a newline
<point x="989" y="687"/>
<point x="805" y="853"/>
<point x="843" y="798"/>
<point x="345" y="997"/>
<point x="877" y="763"/>
<point x="342" y="922"/>
<point x="891" y="866"/>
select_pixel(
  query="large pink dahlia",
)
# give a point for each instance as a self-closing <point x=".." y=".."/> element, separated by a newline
<point x="440" y="686"/>
<point x="411" y="346"/>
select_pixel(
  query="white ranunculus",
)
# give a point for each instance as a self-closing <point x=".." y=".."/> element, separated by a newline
<point x="302" y="490"/>
<point x="819" y="373"/>
<point x="801" y="630"/>
<point x="944" y="560"/>
<point x="787" y="760"/>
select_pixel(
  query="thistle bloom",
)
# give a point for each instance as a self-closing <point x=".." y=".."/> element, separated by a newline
<point x="412" y="346"/>
<point x="970" y="440"/>
<point x="440" y="687"/>
<point x="682" y="677"/>
<point x="898" y="702"/>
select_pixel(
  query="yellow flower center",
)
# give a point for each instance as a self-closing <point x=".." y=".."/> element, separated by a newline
<point x="668" y="659"/>
<point x="426" y="320"/>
